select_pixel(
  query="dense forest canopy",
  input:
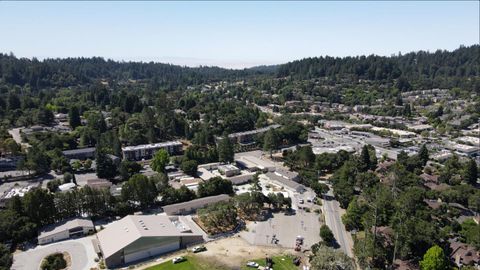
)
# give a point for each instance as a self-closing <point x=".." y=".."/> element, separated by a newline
<point x="75" y="71"/>
<point x="458" y="68"/>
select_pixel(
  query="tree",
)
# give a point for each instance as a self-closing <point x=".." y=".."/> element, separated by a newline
<point x="189" y="167"/>
<point x="249" y="204"/>
<point x="11" y="146"/>
<point x="140" y="188"/>
<point x="423" y="154"/>
<point x="39" y="206"/>
<point x="365" y="159"/>
<point x="36" y="160"/>
<point x="327" y="234"/>
<point x="326" y="258"/>
<point x="128" y="168"/>
<point x="215" y="186"/>
<point x="434" y="259"/>
<point x="44" y="116"/>
<point x="160" y="160"/>
<point x="470" y="173"/>
<point x="105" y="166"/>
<point x="270" y="141"/>
<point x="219" y="217"/>
<point x="353" y="217"/>
<point x="5" y="257"/>
<point x="74" y="117"/>
<point x="225" y="150"/>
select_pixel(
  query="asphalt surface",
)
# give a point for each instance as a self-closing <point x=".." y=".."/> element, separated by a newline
<point x="80" y="250"/>
<point x="355" y="142"/>
<point x="284" y="228"/>
<point x="333" y="219"/>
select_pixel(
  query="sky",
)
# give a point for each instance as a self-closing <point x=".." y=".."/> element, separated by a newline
<point x="233" y="34"/>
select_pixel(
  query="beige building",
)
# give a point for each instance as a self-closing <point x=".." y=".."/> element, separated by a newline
<point x="138" y="237"/>
<point x="65" y="230"/>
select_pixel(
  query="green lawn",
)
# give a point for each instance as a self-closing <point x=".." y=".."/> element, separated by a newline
<point x="192" y="263"/>
<point x="283" y="262"/>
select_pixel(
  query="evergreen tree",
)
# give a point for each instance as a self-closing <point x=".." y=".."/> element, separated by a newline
<point x="365" y="159"/>
<point x="74" y="117"/>
<point x="270" y="141"/>
<point x="470" y="174"/>
<point x="225" y="150"/>
<point x="423" y="154"/>
<point x="105" y="166"/>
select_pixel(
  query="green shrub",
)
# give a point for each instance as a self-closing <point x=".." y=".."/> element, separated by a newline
<point x="54" y="262"/>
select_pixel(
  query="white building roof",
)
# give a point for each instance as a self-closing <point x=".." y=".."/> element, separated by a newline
<point x="133" y="227"/>
<point x="151" y="146"/>
<point x="65" y="225"/>
<point x="66" y="186"/>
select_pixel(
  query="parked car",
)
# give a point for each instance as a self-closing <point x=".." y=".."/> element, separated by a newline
<point x="199" y="249"/>
<point x="300" y="201"/>
<point x="252" y="264"/>
<point x="178" y="259"/>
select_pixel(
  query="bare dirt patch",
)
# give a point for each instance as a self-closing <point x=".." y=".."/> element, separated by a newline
<point x="234" y="251"/>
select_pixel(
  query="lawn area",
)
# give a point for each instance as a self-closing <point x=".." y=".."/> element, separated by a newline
<point x="192" y="263"/>
<point x="283" y="262"/>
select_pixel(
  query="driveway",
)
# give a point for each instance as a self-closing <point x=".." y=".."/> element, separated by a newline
<point x="81" y="250"/>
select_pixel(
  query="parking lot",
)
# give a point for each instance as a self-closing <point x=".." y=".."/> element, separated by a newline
<point x="285" y="228"/>
<point x="81" y="251"/>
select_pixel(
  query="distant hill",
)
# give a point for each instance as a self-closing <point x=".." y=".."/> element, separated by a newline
<point x="460" y="67"/>
<point x="77" y="71"/>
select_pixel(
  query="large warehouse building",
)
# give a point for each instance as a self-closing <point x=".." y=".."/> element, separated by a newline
<point x="137" y="237"/>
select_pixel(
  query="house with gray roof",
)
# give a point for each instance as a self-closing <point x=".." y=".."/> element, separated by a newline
<point x="66" y="229"/>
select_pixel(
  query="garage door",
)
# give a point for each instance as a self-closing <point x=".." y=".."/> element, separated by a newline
<point x="152" y="252"/>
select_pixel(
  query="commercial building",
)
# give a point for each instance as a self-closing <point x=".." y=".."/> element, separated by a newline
<point x="228" y="170"/>
<point x="146" y="151"/>
<point x="464" y="150"/>
<point x="247" y="137"/>
<point x="66" y="229"/>
<point x="192" y="206"/>
<point x="285" y="182"/>
<point x="97" y="183"/>
<point x="81" y="153"/>
<point x="138" y="237"/>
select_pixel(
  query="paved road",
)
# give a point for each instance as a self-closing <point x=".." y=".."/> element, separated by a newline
<point x="15" y="132"/>
<point x="81" y="251"/>
<point x="332" y="211"/>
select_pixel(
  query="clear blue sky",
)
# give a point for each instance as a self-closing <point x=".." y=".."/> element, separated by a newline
<point x="233" y="34"/>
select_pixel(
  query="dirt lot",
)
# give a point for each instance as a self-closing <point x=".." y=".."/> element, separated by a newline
<point x="226" y="253"/>
<point x="234" y="251"/>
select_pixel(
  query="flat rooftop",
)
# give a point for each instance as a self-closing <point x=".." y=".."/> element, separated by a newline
<point x="151" y="146"/>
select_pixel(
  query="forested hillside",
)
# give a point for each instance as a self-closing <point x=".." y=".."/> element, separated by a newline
<point x="459" y="68"/>
<point x="76" y="71"/>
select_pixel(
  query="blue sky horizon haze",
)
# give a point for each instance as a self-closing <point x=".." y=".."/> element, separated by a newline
<point x="233" y="34"/>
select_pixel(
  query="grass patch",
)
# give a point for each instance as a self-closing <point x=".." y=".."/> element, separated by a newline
<point x="192" y="263"/>
<point x="283" y="262"/>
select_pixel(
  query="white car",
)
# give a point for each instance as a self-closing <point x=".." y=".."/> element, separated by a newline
<point x="178" y="259"/>
<point x="252" y="264"/>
